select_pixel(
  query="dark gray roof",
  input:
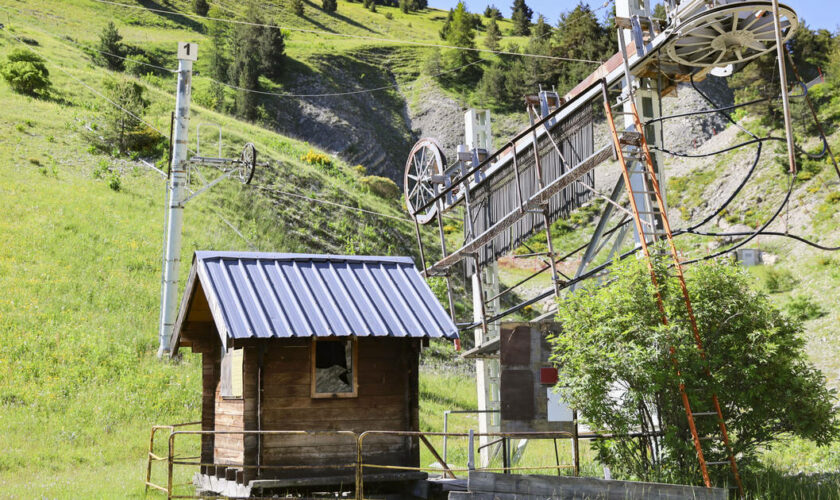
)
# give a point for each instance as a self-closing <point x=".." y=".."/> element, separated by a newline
<point x="270" y="295"/>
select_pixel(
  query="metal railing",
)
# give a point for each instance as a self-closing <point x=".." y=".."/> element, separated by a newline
<point x="356" y="442"/>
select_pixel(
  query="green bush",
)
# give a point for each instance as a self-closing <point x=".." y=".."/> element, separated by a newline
<point x="381" y="186"/>
<point x="613" y="339"/>
<point x="26" y="72"/>
<point x="779" y="280"/>
<point x="803" y="308"/>
<point x="115" y="182"/>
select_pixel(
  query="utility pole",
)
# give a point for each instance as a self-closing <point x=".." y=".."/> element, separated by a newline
<point x="187" y="53"/>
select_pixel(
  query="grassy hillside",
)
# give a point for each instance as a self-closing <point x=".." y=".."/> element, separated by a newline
<point x="80" y="272"/>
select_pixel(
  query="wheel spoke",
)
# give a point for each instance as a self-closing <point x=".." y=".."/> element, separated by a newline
<point x="739" y="54"/>
<point x="755" y="20"/>
<point x="693" y="52"/>
<point x="715" y="25"/>
<point x="735" y="16"/>
<point x="722" y="53"/>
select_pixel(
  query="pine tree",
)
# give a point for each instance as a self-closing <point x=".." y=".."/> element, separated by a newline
<point x="460" y="34"/>
<point x="297" y="7"/>
<point x="542" y="30"/>
<point x="121" y="129"/>
<point x="218" y="59"/>
<point x="272" y="48"/>
<point x="329" y="5"/>
<point x="494" y="34"/>
<point x="201" y="7"/>
<point x="444" y="30"/>
<point x="491" y="12"/>
<point x="245" y="69"/>
<point x="580" y="35"/>
<point x="110" y="42"/>
<point x="521" y="18"/>
<point x="405" y="6"/>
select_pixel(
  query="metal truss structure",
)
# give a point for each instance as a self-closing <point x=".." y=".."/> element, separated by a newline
<point x="546" y="171"/>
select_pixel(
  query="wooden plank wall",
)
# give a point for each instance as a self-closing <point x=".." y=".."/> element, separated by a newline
<point x="229" y="416"/>
<point x="387" y="400"/>
<point x="210" y="363"/>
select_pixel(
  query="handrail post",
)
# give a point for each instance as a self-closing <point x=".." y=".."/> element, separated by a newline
<point x="471" y="452"/>
<point x="149" y="460"/>
<point x="170" y="459"/>
<point x="359" y="467"/>
<point x="445" y="431"/>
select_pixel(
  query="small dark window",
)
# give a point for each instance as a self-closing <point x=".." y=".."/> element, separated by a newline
<point x="334" y="368"/>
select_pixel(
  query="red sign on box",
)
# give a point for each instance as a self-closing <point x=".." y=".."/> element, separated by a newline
<point x="548" y="376"/>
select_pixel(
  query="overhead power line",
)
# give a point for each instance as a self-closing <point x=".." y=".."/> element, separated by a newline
<point x="333" y="203"/>
<point x="336" y="94"/>
<point x="347" y="35"/>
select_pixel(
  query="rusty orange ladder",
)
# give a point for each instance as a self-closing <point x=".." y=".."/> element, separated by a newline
<point x="635" y="144"/>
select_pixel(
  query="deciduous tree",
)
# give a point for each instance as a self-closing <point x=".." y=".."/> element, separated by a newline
<point x="615" y="362"/>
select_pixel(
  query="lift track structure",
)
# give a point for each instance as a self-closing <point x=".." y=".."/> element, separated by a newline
<point x="541" y="169"/>
<point x="547" y="170"/>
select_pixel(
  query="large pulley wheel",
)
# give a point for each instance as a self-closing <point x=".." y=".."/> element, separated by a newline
<point x="425" y="160"/>
<point x="730" y="34"/>
<point x="247" y="163"/>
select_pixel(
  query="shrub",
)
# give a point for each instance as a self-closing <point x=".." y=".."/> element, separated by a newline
<point x="833" y="197"/>
<point x="115" y="183"/>
<point x="26" y="73"/>
<point x="381" y="186"/>
<point x="779" y="280"/>
<point x="137" y="65"/>
<point x="803" y="308"/>
<point x="35" y="161"/>
<point x="360" y="169"/>
<point x="314" y="158"/>
<point x="389" y="16"/>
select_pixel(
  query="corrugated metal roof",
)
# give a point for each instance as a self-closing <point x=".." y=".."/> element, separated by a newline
<point x="268" y="295"/>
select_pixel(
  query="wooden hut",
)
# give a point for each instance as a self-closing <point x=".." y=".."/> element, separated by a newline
<point x="305" y="343"/>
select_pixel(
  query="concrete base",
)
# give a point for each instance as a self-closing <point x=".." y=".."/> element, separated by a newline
<point x="490" y="486"/>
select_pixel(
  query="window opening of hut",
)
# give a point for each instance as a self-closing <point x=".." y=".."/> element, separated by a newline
<point x="231" y="380"/>
<point x="334" y="368"/>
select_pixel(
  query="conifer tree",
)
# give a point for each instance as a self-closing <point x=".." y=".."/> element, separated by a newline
<point x="218" y="58"/>
<point x="272" y="47"/>
<point x="492" y="12"/>
<point x="494" y="34"/>
<point x="201" y="7"/>
<point x="521" y="18"/>
<point x="329" y="5"/>
<point x="245" y="69"/>
<point x="542" y="29"/>
<point x="460" y="34"/>
<point x="110" y="48"/>
<point x="297" y="7"/>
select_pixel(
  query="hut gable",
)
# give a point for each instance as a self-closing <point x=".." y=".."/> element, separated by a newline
<point x="264" y="295"/>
